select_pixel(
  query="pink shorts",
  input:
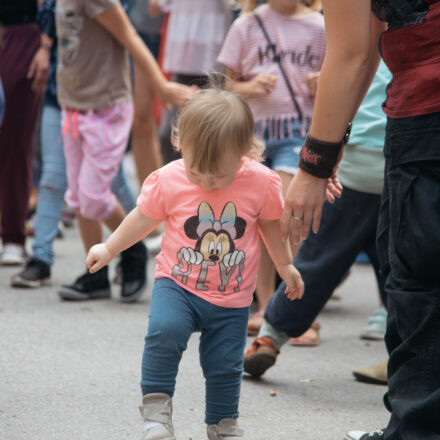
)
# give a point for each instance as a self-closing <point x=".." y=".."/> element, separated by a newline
<point x="94" y="144"/>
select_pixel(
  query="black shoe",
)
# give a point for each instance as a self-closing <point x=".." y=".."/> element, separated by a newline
<point x="361" y="435"/>
<point x="88" y="286"/>
<point x="134" y="272"/>
<point x="35" y="274"/>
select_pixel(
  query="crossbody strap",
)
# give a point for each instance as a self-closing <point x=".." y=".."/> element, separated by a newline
<point x="277" y="59"/>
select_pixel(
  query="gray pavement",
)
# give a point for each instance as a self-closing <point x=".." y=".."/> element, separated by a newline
<point x="70" y="371"/>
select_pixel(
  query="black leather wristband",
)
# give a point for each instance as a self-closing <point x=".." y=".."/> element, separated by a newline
<point x="319" y="158"/>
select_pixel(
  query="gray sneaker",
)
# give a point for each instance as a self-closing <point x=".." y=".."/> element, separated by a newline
<point x="157" y="411"/>
<point x="226" y="429"/>
<point x="376" y="325"/>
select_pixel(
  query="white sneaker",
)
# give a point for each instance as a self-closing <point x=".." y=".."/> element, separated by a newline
<point x="157" y="411"/>
<point x="12" y="255"/>
<point x="362" y="435"/>
<point x="226" y="429"/>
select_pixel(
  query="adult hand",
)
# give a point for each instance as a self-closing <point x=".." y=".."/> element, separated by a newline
<point x="176" y="94"/>
<point x="39" y="69"/>
<point x="303" y="203"/>
<point x="154" y="10"/>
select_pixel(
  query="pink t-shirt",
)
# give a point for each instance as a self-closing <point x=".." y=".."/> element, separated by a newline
<point x="211" y="244"/>
<point x="299" y="41"/>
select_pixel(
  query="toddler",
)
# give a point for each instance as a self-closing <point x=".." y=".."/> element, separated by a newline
<point x="215" y="202"/>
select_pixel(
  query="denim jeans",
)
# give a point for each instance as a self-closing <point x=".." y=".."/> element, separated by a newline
<point x="175" y="314"/>
<point x="348" y="226"/>
<point x="53" y="183"/>
<point x="409" y="250"/>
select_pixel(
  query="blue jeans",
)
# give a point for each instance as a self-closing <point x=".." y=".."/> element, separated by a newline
<point x="409" y="251"/>
<point x="53" y="184"/>
<point x="348" y="226"/>
<point x="283" y="154"/>
<point x="175" y="314"/>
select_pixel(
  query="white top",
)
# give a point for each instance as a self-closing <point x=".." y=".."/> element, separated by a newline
<point x="299" y="41"/>
<point x="196" y="30"/>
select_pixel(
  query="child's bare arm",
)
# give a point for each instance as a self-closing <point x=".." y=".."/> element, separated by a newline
<point x="281" y="255"/>
<point x="133" y="228"/>
<point x="260" y="85"/>
<point x="116" y="22"/>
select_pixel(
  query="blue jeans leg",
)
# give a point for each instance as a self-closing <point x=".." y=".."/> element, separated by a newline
<point x="52" y="185"/>
<point x="347" y="227"/>
<point x="174" y="315"/>
<point x="122" y="191"/>
<point x="222" y="344"/>
<point x="172" y="321"/>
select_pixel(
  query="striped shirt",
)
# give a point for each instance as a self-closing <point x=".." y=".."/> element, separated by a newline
<point x="299" y="41"/>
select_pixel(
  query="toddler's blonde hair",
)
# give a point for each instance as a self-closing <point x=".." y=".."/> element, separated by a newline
<point x="213" y="123"/>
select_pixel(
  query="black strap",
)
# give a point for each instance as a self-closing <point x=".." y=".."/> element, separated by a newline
<point x="277" y="59"/>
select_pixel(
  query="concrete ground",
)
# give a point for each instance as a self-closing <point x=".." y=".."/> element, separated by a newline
<point x="70" y="371"/>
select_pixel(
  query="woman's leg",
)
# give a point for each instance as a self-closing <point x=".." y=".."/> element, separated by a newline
<point x="52" y="184"/>
<point x="19" y="46"/>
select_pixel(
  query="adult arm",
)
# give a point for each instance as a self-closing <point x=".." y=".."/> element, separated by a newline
<point x="351" y="60"/>
<point x="116" y="22"/>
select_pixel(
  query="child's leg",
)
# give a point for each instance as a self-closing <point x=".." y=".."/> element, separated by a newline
<point x="91" y="230"/>
<point x="105" y="134"/>
<point x="172" y="321"/>
<point x="221" y="356"/>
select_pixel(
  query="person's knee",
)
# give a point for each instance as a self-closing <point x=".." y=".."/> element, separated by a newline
<point x="166" y="333"/>
<point x="54" y="180"/>
<point x="143" y="120"/>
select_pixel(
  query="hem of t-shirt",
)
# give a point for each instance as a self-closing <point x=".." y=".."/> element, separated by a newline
<point x="407" y="113"/>
<point x="101" y="10"/>
<point x="145" y="212"/>
<point x="246" y="302"/>
<point x="84" y="107"/>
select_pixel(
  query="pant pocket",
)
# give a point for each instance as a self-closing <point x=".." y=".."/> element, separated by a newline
<point x="415" y="220"/>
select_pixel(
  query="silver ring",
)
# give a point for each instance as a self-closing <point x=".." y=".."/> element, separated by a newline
<point x="299" y="219"/>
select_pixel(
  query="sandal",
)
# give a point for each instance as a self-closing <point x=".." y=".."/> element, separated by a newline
<point x="255" y="323"/>
<point x="309" y="338"/>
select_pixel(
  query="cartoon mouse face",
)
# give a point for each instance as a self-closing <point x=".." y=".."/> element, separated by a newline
<point x="215" y="238"/>
<point x="214" y="246"/>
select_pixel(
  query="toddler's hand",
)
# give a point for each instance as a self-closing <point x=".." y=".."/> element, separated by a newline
<point x="176" y="94"/>
<point x="98" y="257"/>
<point x="294" y="283"/>
<point x="262" y="84"/>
